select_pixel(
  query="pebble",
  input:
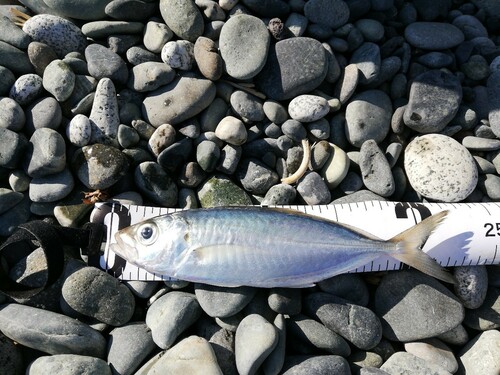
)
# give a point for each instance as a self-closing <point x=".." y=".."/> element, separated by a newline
<point x="51" y="188"/>
<point x="413" y="306"/>
<point x="235" y="299"/>
<point x="285" y="301"/>
<point x="294" y="130"/>
<point x="8" y="199"/>
<point x="104" y="63"/>
<point x="486" y="316"/>
<point x="255" y="177"/>
<point x="481" y="355"/>
<point x="43" y="113"/>
<point x="221" y="191"/>
<point x="229" y="158"/>
<point x="406" y="363"/>
<point x="308" y="108"/>
<point x="434" y="351"/>
<point x="279" y="194"/>
<point x="433" y="35"/>
<point x="349" y="286"/>
<point x="207" y="155"/>
<point x="291" y="70"/>
<point x="375" y="169"/>
<point x="336" y="166"/>
<point x="50" y="332"/>
<point x="26" y="89"/>
<point x="155" y="183"/>
<point x="130" y="10"/>
<point x="368" y="116"/>
<point x="449" y="172"/>
<point x="19" y="214"/>
<point x="12" y="148"/>
<point x="472" y="285"/>
<point x="14" y="59"/>
<point x="318" y="365"/>
<point x="59" y="80"/>
<point x="7" y="79"/>
<point x="129" y="346"/>
<point x="455" y="336"/>
<point x="108" y="300"/>
<point x="104" y="29"/>
<point x="183" y="18"/>
<point x="313" y="189"/>
<point x="244" y="44"/>
<point x="490" y="185"/>
<point x="79" y="130"/>
<point x="12" y="116"/>
<point x="178" y="101"/>
<point x="163" y="137"/>
<point x="434" y="100"/>
<point x="47" y="153"/>
<point x="104" y="117"/>
<point x="149" y="76"/>
<point x="247" y="106"/>
<point x="367" y="60"/>
<point x="255" y="339"/>
<point x="99" y="166"/>
<point x="178" y="54"/>
<point x="321" y="11"/>
<point x="355" y="323"/>
<point x="67" y="364"/>
<point x="156" y="35"/>
<point x="208" y="59"/>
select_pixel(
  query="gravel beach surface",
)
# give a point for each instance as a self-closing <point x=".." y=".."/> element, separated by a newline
<point x="201" y="103"/>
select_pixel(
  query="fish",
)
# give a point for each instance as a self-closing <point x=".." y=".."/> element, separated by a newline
<point x="265" y="247"/>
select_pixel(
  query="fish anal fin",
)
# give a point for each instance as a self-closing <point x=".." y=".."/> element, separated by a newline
<point x="409" y="248"/>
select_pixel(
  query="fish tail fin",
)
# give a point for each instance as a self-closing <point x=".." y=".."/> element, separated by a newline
<point x="409" y="248"/>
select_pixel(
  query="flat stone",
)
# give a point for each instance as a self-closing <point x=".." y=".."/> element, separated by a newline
<point x="330" y="13"/>
<point x="247" y="106"/>
<point x="12" y="116"/>
<point x="155" y="183"/>
<point x="375" y="169"/>
<point x="434" y="351"/>
<point x="440" y="168"/>
<point x="406" y="363"/>
<point x="47" y="153"/>
<point x="85" y="10"/>
<point x="104" y="29"/>
<point x="482" y="354"/>
<point x="26" y="89"/>
<point x="171" y="315"/>
<point x="99" y="166"/>
<point x="335" y="167"/>
<point x="244" y="45"/>
<point x="51" y="188"/>
<point x="182" y="17"/>
<point x="67" y="364"/>
<point x="413" y="306"/>
<point x="104" y="116"/>
<point x="368" y="61"/>
<point x="223" y="302"/>
<point x="50" y="332"/>
<point x="255" y="176"/>
<point x="14" y="59"/>
<point x="308" y="108"/>
<point x="130" y="10"/>
<point x="254" y="341"/>
<point x="149" y="76"/>
<point x="104" y="63"/>
<point x="433" y="35"/>
<point x="178" y="101"/>
<point x="221" y="191"/>
<point x="355" y="323"/>
<point x="313" y="189"/>
<point x="59" y="80"/>
<point x="43" y="113"/>
<point x="294" y="66"/>
<point x="349" y="286"/>
<point x="435" y="97"/>
<point x="317" y="365"/>
<point x="368" y="116"/>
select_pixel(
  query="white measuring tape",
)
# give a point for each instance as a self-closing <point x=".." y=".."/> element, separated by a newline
<point x="470" y="234"/>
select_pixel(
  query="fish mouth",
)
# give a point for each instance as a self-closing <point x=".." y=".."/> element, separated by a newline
<point x="124" y="247"/>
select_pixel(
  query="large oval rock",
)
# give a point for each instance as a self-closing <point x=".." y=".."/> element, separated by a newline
<point x="50" y="332"/>
<point x="68" y="364"/>
<point x="440" y="168"/>
<point x="107" y="300"/>
<point x="433" y="35"/>
<point x="99" y="166"/>
<point x="294" y="66"/>
<point x="244" y="44"/>
<point x="329" y="13"/>
<point x="79" y="9"/>
<point x="435" y="97"/>
<point x="180" y="100"/>
<point x="413" y="306"/>
<point x="183" y="17"/>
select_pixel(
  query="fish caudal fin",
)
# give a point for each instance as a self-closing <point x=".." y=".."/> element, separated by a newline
<point x="409" y="248"/>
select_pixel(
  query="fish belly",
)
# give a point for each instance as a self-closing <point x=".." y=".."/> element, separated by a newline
<point x="266" y="248"/>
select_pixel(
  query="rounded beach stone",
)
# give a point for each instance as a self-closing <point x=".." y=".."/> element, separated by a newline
<point x="79" y="130"/>
<point x="178" y="101"/>
<point x="403" y="362"/>
<point x="155" y="183"/>
<point x="368" y="116"/>
<point x="255" y="176"/>
<point x="12" y="116"/>
<point x="207" y="155"/>
<point x="367" y="60"/>
<point x="104" y="116"/>
<point x="330" y="13"/>
<point x="223" y="302"/>
<point x="313" y="189"/>
<point x="50" y="332"/>
<point x="8" y="199"/>
<point x="26" y="89"/>
<point x="178" y="54"/>
<point x="434" y="100"/>
<point x="318" y="365"/>
<point x="255" y="339"/>
<point x="413" y="306"/>
<point x="7" y="79"/>
<point x="43" y="113"/>
<point x="375" y="169"/>
<point x="14" y="59"/>
<point x="99" y="166"/>
<point x="434" y="351"/>
<point x="440" y="168"/>
<point x="149" y="76"/>
<point x="162" y="137"/>
<point x="59" y="80"/>
<point x="472" y="285"/>
<point x="275" y="112"/>
<point x="347" y="83"/>
<point x="12" y="148"/>
<point x="51" y="188"/>
<point x="349" y="286"/>
<point x="308" y="108"/>
<point x="244" y="43"/>
<point x="335" y="167"/>
<point x="170" y="315"/>
<point x="486" y="316"/>
<point x="183" y="17"/>
<point x="285" y="300"/>
<point x="355" y="323"/>
<point x="294" y="66"/>
<point x="104" y="63"/>
<point x="231" y="130"/>
<point x="280" y="194"/>
<point x="482" y="354"/>
<point x="247" y="106"/>
<point x="47" y="155"/>
<point x="207" y="58"/>
<point x="67" y="364"/>
<point x="433" y="35"/>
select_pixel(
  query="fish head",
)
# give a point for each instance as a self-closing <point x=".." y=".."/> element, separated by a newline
<point x="150" y="244"/>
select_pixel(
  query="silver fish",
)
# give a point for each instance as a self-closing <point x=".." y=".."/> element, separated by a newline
<point x="264" y="247"/>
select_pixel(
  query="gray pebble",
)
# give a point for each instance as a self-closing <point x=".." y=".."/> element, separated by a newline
<point x="231" y="130"/>
<point x="155" y="183"/>
<point x="12" y="34"/>
<point x="149" y="76"/>
<point x="372" y="30"/>
<point x="8" y="199"/>
<point x="433" y="35"/>
<point x="68" y="364"/>
<point x="294" y="130"/>
<point x="406" y="363"/>
<point x="163" y="137"/>
<point x="375" y="169"/>
<point x="455" y="336"/>
<point x="103" y="29"/>
<point x="280" y="194"/>
<point x="368" y="116"/>
<point x="174" y="155"/>
<point x="139" y="55"/>
<point x="47" y="155"/>
<point x="79" y="130"/>
<point x="207" y="58"/>
<point x="12" y="116"/>
<point x="187" y="199"/>
<point x="347" y="83"/>
<point x="472" y="356"/>
<point x="178" y="54"/>
<point x="312" y="333"/>
<point x="321" y="11"/>
<point x="17" y="215"/>
<point x="229" y="158"/>
<point x="484" y="166"/>
<point x="183" y="18"/>
<point x="127" y="136"/>
<point x="480" y="144"/>
<point x="486" y="316"/>
<point x="255" y="177"/>
<point x="367" y="60"/>
<point x="104" y="63"/>
<point x="247" y="106"/>
<point x="156" y="35"/>
<point x="128" y="346"/>
<point x="392" y="153"/>
<point x="313" y="189"/>
<point x="130" y="10"/>
<point x="59" y="80"/>
<point x="355" y="323"/>
<point x="414" y="306"/>
<point x="285" y="301"/>
<point x="207" y="155"/>
<point x="26" y="89"/>
<point x="490" y="185"/>
<point x="51" y="188"/>
<point x="191" y="175"/>
<point x="7" y="79"/>
<point x="320" y="153"/>
<point x="434" y="351"/>
<point x="99" y="166"/>
<point x="472" y="285"/>
<point x="171" y="315"/>
<point x="104" y="118"/>
<point x="50" y="332"/>
<point x="275" y="111"/>
<point x="308" y="108"/>
<point x="319" y="129"/>
<point x="351" y="183"/>
<point x="211" y="116"/>
<point x="234" y="300"/>
<point x="14" y="59"/>
<point x="315" y="365"/>
<point x="349" y="286"/>
<point x="43" y="113"/>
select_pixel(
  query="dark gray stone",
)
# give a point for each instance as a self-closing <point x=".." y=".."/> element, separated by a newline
<point x="68" y="363"/>
<point x="130" y="10"/>
<point x="183" y="17"/>
<point x="7" y="79"/>
<point x="285" y="300"/>
<point x="375" y="169"/>
<point x="175" y="155"/>
<point x="155" y="183"/>
<point x="149" y="76"/>
<point x="12" y="34"/>
<point x="104" y="63"/>
<point x="315" y="365"/>
<point x="280" y="194"/>
<point x="223" y="302"/>
<point x="470" y="26"/>
<point x="255" y="177"/>
<point x="104" y="29"/>
<point x="17" y="215"/>
<point x="331" y="13"/>
<point x="367" y="60"/>
<point x="313" y="189"/>
<point x="46" y="154"/>
<point x="487" y="316"/>
<point x="247" y="106"/>
<point x="51" y="188"/>
<point x="268" y="8"/>
<point x="43" y="113"/>
<point x="12" y="116"/>
<point x="229" y="158"/>
<point x="14" y="59"/>
<point x="433" y="35"/>
<point x="349" y="286"/>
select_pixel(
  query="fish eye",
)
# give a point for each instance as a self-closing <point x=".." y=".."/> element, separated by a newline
<point x="147" y="233"/>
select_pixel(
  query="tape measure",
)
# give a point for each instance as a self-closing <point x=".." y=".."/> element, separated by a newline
<point x="470" y="234"/>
